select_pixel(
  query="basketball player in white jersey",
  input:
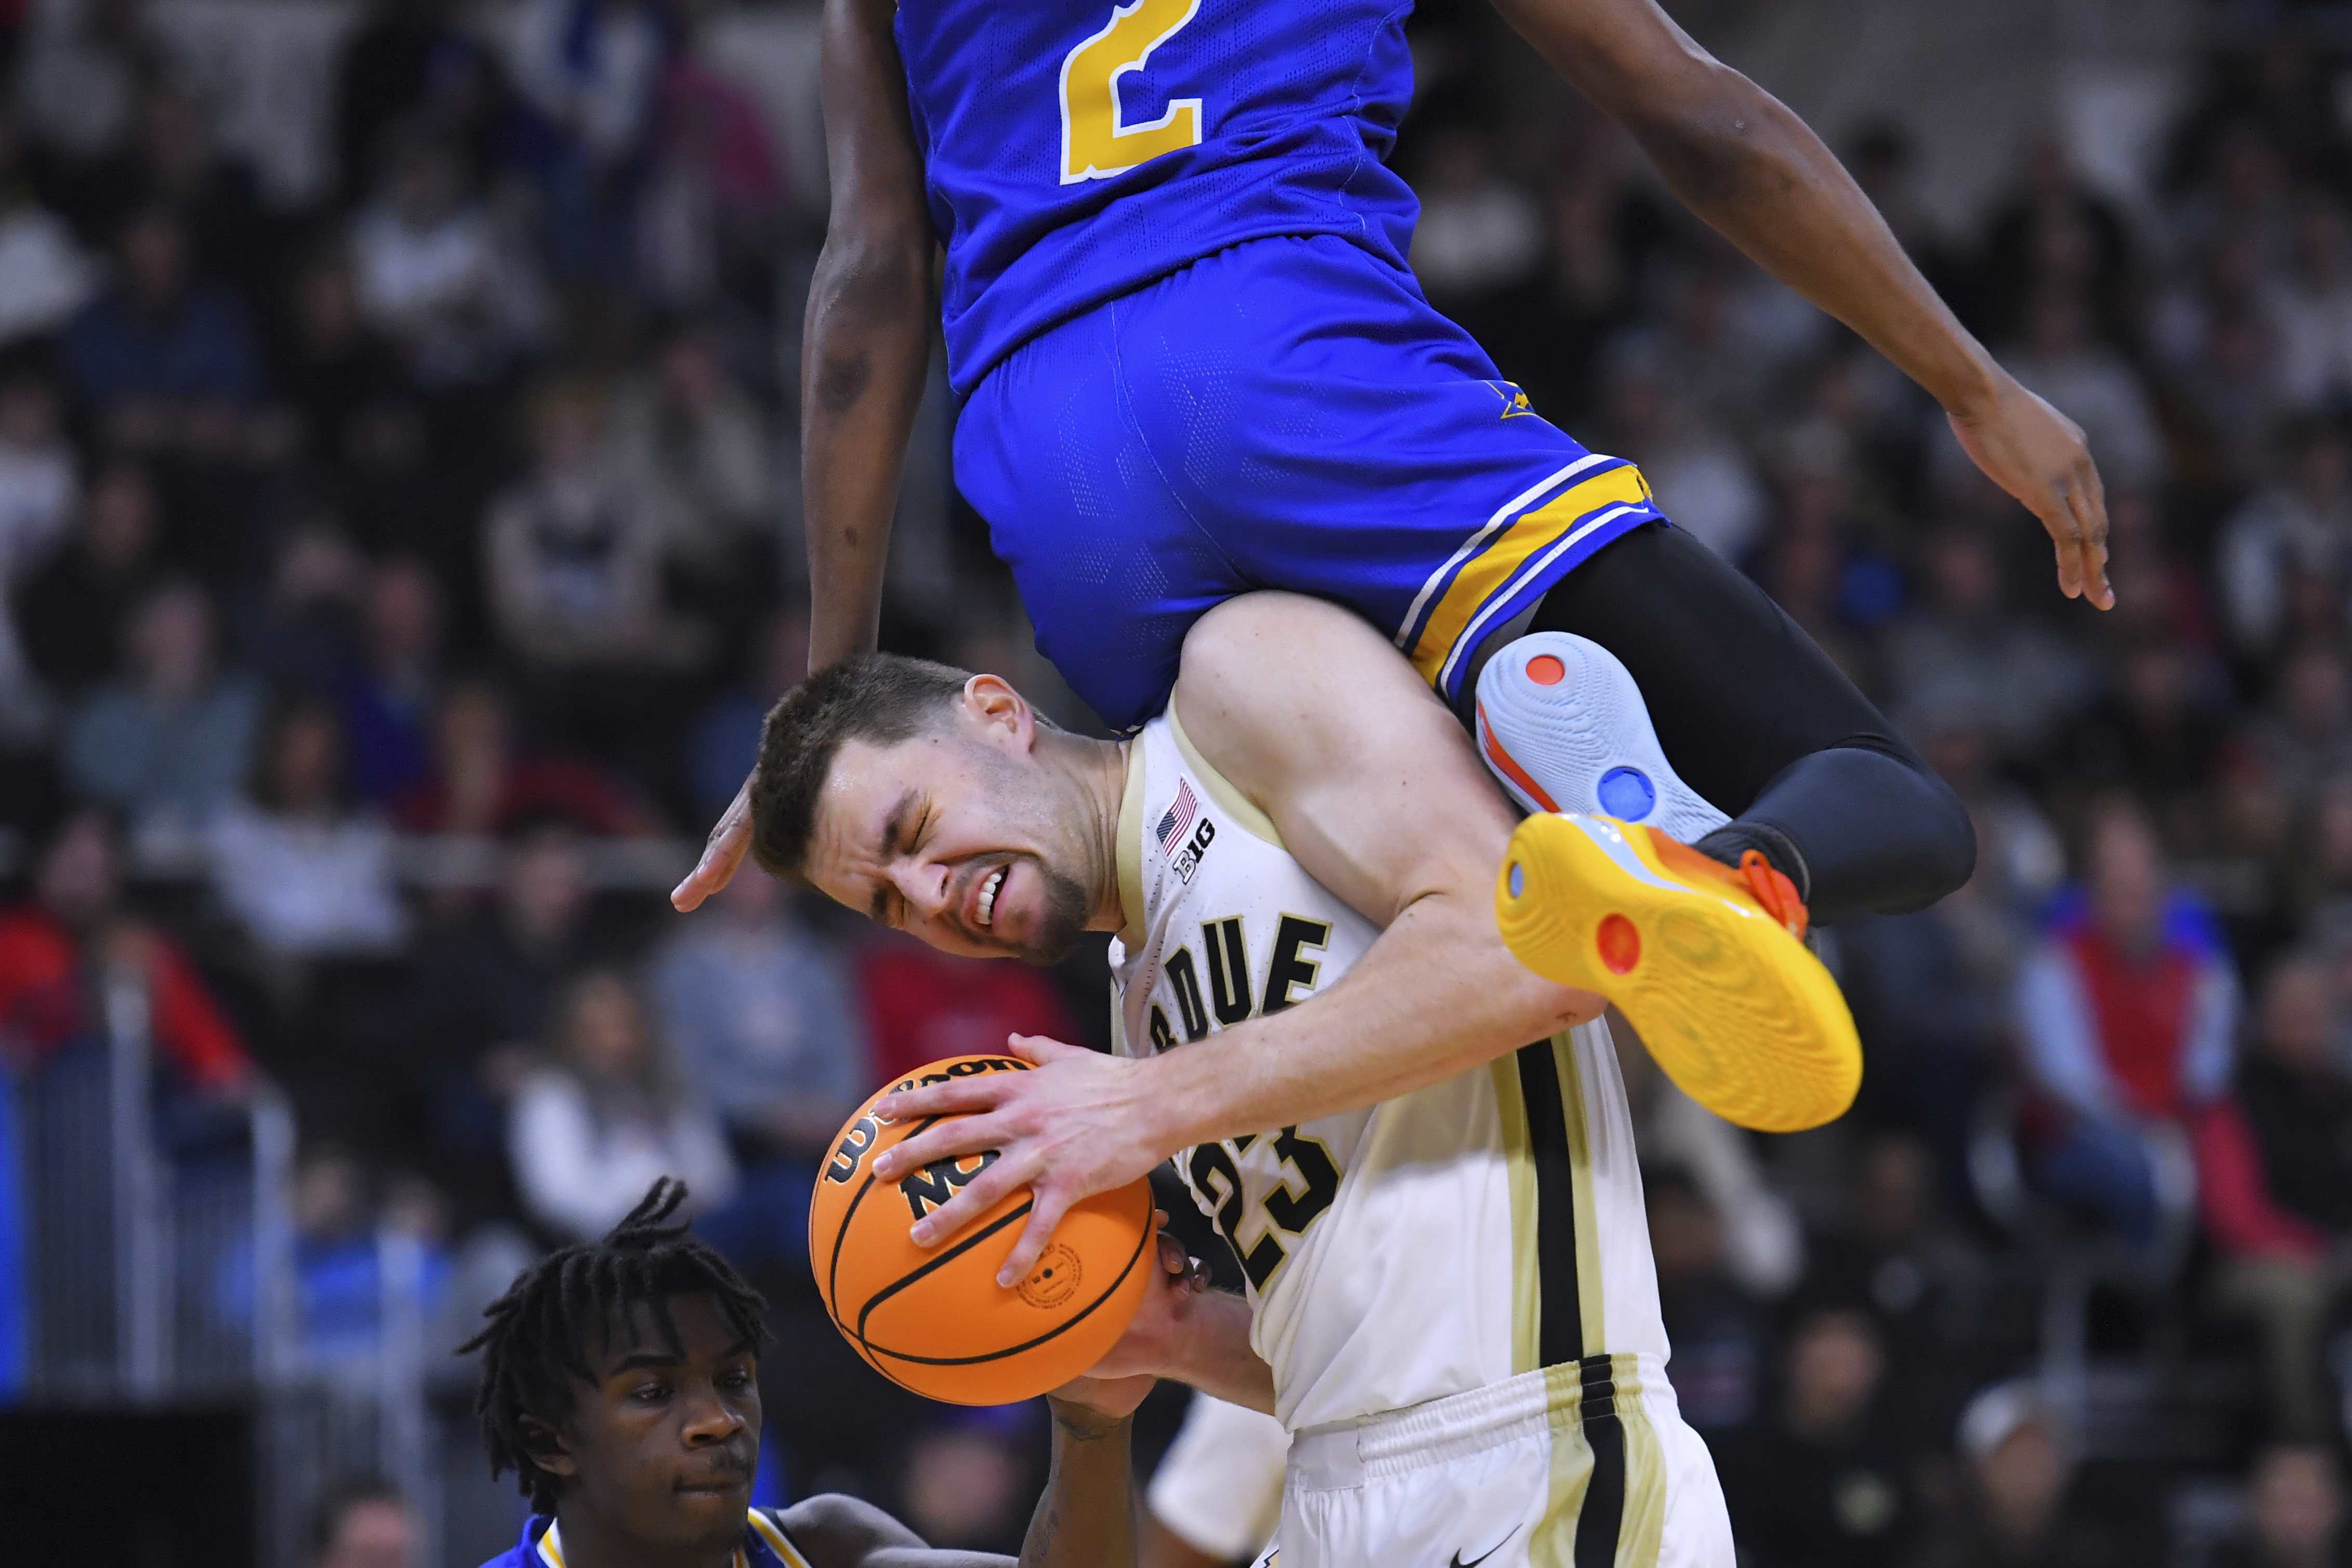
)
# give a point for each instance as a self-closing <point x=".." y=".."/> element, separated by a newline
<point x="1452" y="1305"/>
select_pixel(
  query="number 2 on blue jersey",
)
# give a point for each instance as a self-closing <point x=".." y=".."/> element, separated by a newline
<point x="1096" y="143"/>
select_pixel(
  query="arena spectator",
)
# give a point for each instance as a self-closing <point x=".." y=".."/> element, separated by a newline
<point x="365" y="1523"/>
<point x="1694" y="464"/>
<point x="387" y="693"/>
<point x="2126" y="1014"/>
<point x="304" y="872"/>
<point x="44" y="275"/>
<point x="1895" y="1249"/>
<point x="2156" y="730"/>
<point x="575" y="551"/>
<point x="167" y="742"/>
<point x="165" y="363"/>
<point x="2015" y="1505"/>
<point x="480" y="782"/>
<point x="173" y="159"/>
<point x="687" y="433"/>
<point x="760" y="1013"/>
<point x="725" y="738"/>
<point x="2297" y="529"/>
<point x="1762" y="1243"/>
<point x="436" y="272"/>
<point x="2277" y="1189"/>
<point x="1479" y="232"/>
<point x="38" y="490"/>
<point x="713" y="199"/>
<point x="339" y="1262"/>
<point x="411" y="63"/>
<point x="485" y="984"/>
<point x="345" y="380"/>
<point x="1813" y="1483"/>
<point x="2307" y="736"/>
<point x="590" y="68"/>
<point x="300" y="628"/>
<point x="71" y="612"/>
<point x="2057" y="234"/>
<point x="922" y="1005"/>
<point x="1967" y="646"/>
<point x="1721" y="1336"/>
<point x="58" y="949"/>
<point x="78" y="76"/>
<point x="593" y="1128"/>
<point x="2295" y="1506"/>
<point x="2061" y="358"/>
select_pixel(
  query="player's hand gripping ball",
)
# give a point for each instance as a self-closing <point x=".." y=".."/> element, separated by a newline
<point x="934" y="1318"/>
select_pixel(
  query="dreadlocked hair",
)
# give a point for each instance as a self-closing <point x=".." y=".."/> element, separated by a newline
<point x="536" y="1344"/>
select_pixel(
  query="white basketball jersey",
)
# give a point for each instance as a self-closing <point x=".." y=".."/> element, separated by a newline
<point x="1439" y="1242"/>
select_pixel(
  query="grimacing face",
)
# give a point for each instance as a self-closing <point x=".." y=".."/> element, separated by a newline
<point x="963" y="836"/>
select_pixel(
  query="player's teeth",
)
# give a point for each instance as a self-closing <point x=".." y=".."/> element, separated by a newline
<point x="988" y="897"/>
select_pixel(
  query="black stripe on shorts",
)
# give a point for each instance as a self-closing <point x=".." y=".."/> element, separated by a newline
<point x="1559" y="1336"/>
<point x="1604" y="1513"/>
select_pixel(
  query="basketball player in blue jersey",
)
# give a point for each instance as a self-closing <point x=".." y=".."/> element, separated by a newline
<point x="1195" y="361"/>
<point x="620" y="1384"/>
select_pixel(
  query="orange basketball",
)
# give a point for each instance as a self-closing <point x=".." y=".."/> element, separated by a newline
<point x="934" y="1318"/>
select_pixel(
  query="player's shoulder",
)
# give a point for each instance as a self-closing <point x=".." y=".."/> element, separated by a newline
<point x="524" y="1554"/>
<point x="833" y="1530"/>
<point x="1272" y="683"/>
<point x="1232" y="641"/>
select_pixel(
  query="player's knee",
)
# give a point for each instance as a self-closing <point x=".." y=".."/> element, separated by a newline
<point x="1923" y="814"/>
<point x="1879" y="828"/>
<point x="1950" y="835"/>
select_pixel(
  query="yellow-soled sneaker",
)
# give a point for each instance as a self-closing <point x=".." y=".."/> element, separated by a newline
<point x="1704" y="960"/>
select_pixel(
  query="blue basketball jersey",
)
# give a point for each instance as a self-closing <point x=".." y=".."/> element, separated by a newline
<point x="765" y="1546"/>
<point x="1074" y="150"/>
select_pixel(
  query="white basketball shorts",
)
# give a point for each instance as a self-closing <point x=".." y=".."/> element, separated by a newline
<point x="1582" y="1465"/>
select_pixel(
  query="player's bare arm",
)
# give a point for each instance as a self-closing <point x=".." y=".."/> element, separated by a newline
<point x="1189" y="1331"/>
<point x="867" y="337"/>
<point x="866" y="349"/>
<point x="1085" y="1518"/>
<point x="1377" y="793"/>
<point x="1741" y="160"/>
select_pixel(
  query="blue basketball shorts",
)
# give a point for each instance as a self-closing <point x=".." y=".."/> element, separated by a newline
<point x="1288" y="413"/>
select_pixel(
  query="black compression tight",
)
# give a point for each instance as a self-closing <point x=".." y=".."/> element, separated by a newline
<point x="1758" y="719"/>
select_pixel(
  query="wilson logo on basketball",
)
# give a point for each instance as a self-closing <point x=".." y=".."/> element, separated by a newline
<point x="858" y="1138"/>
<point x="855" y="1140"/>
<point x="931" y="1186"/>
<point x="1054" y="1279"/>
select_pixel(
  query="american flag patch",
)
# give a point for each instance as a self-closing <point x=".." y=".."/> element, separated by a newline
<point x="1179" y="817"/>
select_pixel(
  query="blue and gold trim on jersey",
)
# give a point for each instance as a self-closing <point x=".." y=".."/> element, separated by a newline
<point x="1500" y="570"/>
<point x="765" y="1544"/>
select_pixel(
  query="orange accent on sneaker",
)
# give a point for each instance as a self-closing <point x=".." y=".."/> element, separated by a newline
<point x="1619" y="945"/>
<point x="1545" y="670"/>
<point x="1754" y="878"/>
<point x="1775" y="892"/>
<point x="1508" y="766"/>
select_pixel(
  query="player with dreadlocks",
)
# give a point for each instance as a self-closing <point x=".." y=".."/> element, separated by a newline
<point x="620" y="1384"/>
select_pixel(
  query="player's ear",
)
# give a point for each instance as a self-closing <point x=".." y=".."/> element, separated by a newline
<point x="546" y="1447"/>
<point x="1003" y="714"/>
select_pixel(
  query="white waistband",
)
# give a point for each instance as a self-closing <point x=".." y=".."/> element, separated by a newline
<point x="1346" y="1453"/>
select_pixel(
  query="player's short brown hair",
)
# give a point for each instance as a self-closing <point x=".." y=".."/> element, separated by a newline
<point x="878" y="698"/>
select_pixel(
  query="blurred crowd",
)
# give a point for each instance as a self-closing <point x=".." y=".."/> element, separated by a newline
<point x="394" y="581"/>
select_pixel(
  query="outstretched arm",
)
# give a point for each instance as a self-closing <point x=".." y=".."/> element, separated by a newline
<point x="866" y="349"/>
<point x="868" y="340"/>
<point x="1741" y="160"/>
<point x="1086" y="1519"/>
<point x="1374" y="789"/>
